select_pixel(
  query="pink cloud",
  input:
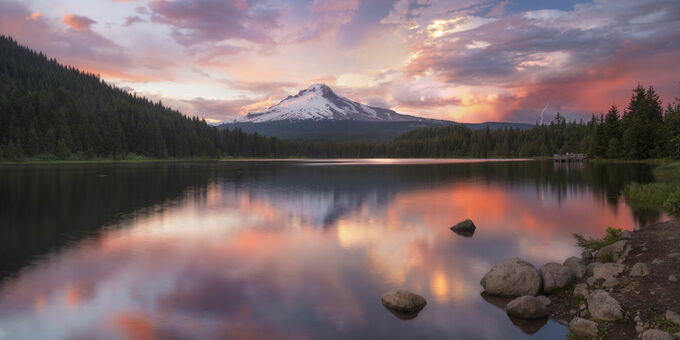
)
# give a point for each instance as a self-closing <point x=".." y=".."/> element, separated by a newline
<point x="78" y="22"/>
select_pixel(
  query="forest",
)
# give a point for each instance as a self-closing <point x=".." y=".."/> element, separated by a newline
<point x="49" y="111"/>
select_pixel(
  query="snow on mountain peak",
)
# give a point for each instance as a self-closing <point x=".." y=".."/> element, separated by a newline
<point x="320" y="102"/>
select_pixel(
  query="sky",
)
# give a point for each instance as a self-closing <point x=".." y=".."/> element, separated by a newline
<point x="462" y="60"/>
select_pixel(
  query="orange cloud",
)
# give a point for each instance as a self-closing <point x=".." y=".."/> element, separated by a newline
<point x="35" y="16"/>
<point x="78" y="22"/>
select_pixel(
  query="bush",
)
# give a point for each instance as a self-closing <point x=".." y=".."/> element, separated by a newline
<point x="672" y="203"/>
<point x="613" y="235"/>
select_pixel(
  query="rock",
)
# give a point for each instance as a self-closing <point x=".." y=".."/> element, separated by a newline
<point x="639" y="269"/>
<point x="673" y="255"/>
<point x="672" y="278"/>
<point x="610" y="282"/>
<point x="584" y="329"/>
<point x="612" y="252"/>
<point x="576" y="266"/>
<point x="581" y="289"/>
<point x="527" y="307"/>
<point x="544" y="300"/>
<point x="607" y="270"/>
<point x="528" y="326"/>
<point x="512" y="277"/>
<point x="465" y="228"/>
<point x="405" y="305"/>
<point x="603" y="306"/>
<point x="555" y="276"/>
<point x="590" y="266"/>
<point x="626" y="235"/>
<point x="624" y="255"/>
<point x="673" y="317"/>
<point x="657" y="261"/>
<point x="591" y="281"/>
<point x="655" y="334"/>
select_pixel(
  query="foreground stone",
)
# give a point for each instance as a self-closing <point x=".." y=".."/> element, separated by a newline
<point x="465" y="228"/>
<point x="604" y="307"/>
<point x="403" y="304"/>
<point x="527" y="307"/>
<point x="555" y="276"/>
<point x="581" y="289"/>
<point x="612" y="252"/>
<point x="655" y="334"/>
<point x="611" y="282"/>
<point x="576" y="266"/>
<point x="639" y="269"/>
<point x="584" y="329"/>
<point x="512" y="277"/>
<point x="607" y="270"/>
<point x="673" y="317"/>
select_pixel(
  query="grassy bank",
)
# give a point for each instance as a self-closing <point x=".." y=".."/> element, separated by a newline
<point x="664" y="193"/>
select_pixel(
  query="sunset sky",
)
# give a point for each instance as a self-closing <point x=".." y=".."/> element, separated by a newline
<point x="467" y="60"/>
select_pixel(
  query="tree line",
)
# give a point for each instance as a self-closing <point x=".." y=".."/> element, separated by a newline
<point x="50" y="111"/>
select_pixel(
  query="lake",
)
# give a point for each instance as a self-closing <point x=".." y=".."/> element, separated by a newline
<point x="287" y="249"/>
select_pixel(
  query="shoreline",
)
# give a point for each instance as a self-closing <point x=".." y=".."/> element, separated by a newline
<point x="625" y="288"/>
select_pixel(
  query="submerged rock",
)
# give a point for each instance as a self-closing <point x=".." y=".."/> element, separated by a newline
<point x="656" y="334"/>
<point x="584" y="329"/>
<point x="555" y="276"/>
<point x="527" y="307"/>
<point x="405" y="305"/>
<point x="576" y="266"/>
<point x="512" y="277"/>
<point x="604" y="307"/>
<point x="465" y="228"/>
<point x="639" y="269"/>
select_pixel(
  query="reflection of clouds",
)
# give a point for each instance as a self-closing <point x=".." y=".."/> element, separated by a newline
<point x="254" y="261"/>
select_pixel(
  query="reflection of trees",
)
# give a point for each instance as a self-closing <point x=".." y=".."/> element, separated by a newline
<point x="347" y="187"/>
<point x="45" y="207"/>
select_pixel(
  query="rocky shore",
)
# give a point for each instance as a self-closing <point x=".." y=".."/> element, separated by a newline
<point x="628" y="289"/>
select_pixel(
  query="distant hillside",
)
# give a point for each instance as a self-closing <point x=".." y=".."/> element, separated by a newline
<point x="50" y="111"/>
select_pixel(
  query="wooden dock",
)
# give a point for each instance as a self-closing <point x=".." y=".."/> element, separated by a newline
<point x="569" y="157"/>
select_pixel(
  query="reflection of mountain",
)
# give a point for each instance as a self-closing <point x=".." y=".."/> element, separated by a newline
<point x="323" y="192"/>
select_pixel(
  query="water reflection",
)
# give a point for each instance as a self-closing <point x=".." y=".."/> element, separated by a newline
<point x="287" y="249"/>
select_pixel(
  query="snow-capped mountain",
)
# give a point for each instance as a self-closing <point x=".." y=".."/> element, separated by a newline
<point x="319" y="102"/>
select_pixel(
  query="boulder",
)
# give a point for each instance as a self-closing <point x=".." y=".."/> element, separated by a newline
<point x="612" y="252"/>
<point x="611" y="282"/>
<point x="555" y="276"/>
<point x="584" y="329"/>
<point x="465" y="228"/>
<point x="607" y="270"/>
<point x="672" y="278"/>
<point x="405" y="305"/>
<point x="546" y="300"/>
<point x="527" y="307"/>
<point x="590" y="267"/>
<point x="656" y="334"/>
<point x="512" y="277"/>
<point x="581" y="289"/>
<point x="604" y="307"/>
<point x="673" y="317"/>
<point x="639" y="269"/>
<point x="576" y="266"/>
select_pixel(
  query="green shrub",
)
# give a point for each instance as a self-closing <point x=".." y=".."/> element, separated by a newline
<point x="613" y="235"/>
<point x="672" y="203"/>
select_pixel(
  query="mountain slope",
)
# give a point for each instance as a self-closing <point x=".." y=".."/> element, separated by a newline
<point x="319" y="102"/>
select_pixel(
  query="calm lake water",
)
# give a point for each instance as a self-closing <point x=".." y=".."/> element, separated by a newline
<point x="287" y="249"/>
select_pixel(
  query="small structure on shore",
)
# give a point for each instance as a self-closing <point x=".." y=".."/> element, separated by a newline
<point x="569" y="157"/>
